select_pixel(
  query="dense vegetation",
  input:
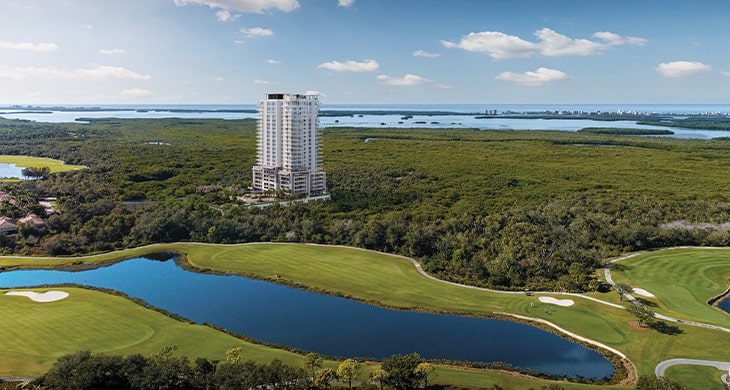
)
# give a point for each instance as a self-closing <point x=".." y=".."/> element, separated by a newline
<point x="505" y="209"/>
<point x="624" y="131"/>
<point x="163" y="370"/>
<point x="692" y="122"/>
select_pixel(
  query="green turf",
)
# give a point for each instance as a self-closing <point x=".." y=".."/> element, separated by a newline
<point x="33" y="334"/>
<point x="682" y="280"/>
<point x="701" y="377"/>
<point x="27" y="161"/>
<point x="394" y="281"/>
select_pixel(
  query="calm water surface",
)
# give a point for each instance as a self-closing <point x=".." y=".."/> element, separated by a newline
<point x="10" y="170"/>
<point x="326" y="324"/>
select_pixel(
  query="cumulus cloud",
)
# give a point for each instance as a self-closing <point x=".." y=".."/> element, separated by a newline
<point x="405" y="81"/>
<point x="345" y="3"/>
<point x="112" y="51"/>
<point x="226" y="16"/>
<point x="245" y="6"/>
<point x="350" y="66"/>
<point x="537" y="78"/>
<point x="498" y="45"/>
<point x="256" y="32"/>
<point x="421" y="53"/>
<point x="555" y="44"/>
<point x="682" y="68"/>
<point x="549" y="43"/>
<point x="99" y="72"/>
<point x="27" y="46"/>
<point x="136" y="92"/>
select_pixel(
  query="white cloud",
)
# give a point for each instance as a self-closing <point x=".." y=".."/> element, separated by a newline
<point x="498" y="45"/>
<point x="405" y="81"/>
<point x="555" y="44"/>
<point x="99" y="72"/>
<point x="550" y="43"/>
<point x="610" y="38"/>
<point x="27" y="46"/>
<point x="682" y="68"/>
<point x="218" y="78"/>
<point x="444" y="86"/>
<point x="112" y="51"/>
<point x="256" y="32"/>
<point x="636" y="41"/>
<point x="262" y="82"/>
<point x="351" y="66"/>
<point x="226" y="16"/>
<point x="136" y="92"/>
<point x="421" y="53"/>
<point x="345" y="3"/>
<point x="245" y="6"/>
<point x="87" y="26"/>
<point x="273" y="62"/>
<point x="537" y="78"/>
<point x="314" y="93"/>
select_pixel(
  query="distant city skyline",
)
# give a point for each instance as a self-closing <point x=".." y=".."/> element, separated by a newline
<point x="364" y="51"/>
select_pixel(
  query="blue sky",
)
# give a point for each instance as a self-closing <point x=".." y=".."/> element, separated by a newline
<point x="364" y="51"/>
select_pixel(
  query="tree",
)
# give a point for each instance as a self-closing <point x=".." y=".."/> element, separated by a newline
<point x="423" y="370"/>
<point x="401" y="370"/>
<point x="660" y="383"/>
<point x="348" y="370"/>
<point x="324" y="377"/>
<point x="379" y="376"/>
<point x="312" y="361"/>
<point x="623" y="289"/>
<point x="642" y="313"/>
<point x="36" y="172"/>
<point x="234" y="355"/>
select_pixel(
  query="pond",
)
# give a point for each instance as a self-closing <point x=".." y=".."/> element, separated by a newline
<point x="326" y="324"/>
<point x="8" y="170"/>
<point x="724" y="304"/>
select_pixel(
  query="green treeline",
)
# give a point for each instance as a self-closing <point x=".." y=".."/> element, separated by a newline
<point x="503" y="209"/>
<point x="163" y="370"/>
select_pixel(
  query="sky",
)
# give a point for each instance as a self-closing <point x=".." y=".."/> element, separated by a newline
<point x="365" y="51"/>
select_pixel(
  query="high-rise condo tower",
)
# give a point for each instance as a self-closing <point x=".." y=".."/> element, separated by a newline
<point x="287" y="145"/>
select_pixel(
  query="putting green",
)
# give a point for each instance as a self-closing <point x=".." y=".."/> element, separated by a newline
<point x="682" y="280"/>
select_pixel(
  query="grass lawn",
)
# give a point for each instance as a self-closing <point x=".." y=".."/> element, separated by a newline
<point x="394" y="281"/>
<point x="34" y="334"/>
<point x="27" y="161"/>
<point x="701" y="377"/>
<point x="682" y="280"/>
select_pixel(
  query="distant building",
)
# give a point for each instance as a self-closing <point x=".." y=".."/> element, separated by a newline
<point x="287" y="145"/>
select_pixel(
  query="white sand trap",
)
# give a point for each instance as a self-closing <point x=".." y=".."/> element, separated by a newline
<point x="643" y="293"/>
<point x="48" y="296"/>
<point x="555" y="301"/>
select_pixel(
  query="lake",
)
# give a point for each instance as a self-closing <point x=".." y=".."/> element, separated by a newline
<point x="326" y="324"/>
<point x="10" y="170"/>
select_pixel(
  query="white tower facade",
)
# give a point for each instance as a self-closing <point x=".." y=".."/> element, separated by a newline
<point x="287" y="145"/>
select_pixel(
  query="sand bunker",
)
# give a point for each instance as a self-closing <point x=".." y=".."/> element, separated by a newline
<point x="48" y="296"/>
<point x="555" y="301"/>
<point x="643" y="293"/>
